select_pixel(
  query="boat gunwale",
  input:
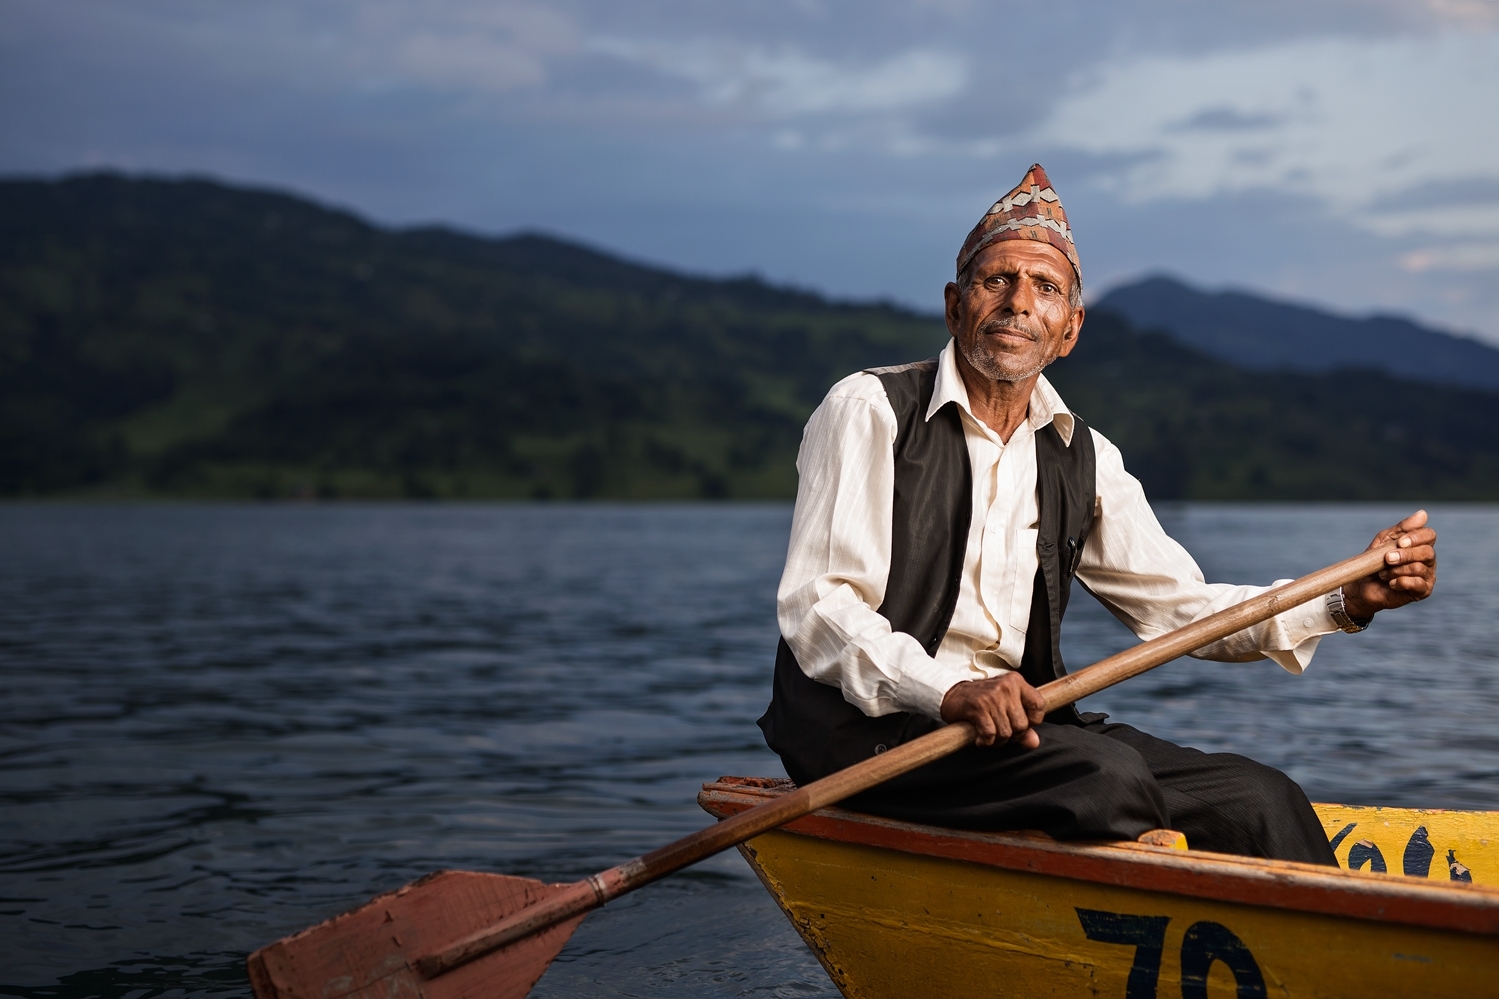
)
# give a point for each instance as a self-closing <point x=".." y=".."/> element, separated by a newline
<point x="1384" y="898"/>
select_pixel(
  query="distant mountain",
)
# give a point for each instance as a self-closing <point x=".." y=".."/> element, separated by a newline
<point x="166" y="338"/>
<point x="1194" y="427"/>
<point x="1266" y="335"/>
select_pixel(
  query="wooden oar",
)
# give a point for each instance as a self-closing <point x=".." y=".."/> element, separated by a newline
<point x="490" y="936"/>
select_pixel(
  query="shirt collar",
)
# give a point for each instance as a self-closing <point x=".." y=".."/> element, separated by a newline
<point x="1046" y="405"/>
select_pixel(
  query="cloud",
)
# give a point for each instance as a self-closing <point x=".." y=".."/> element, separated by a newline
<point x="491" y="47"/>
<point x="1383" y="132"/>
<point x="631" y="124"/>
<point x="470" y="46"/>
<point x="1471" y="13"/>
<point x="1453" y="257"/>
<point x="785" y="82"/>
<point x="1224" y="119"/>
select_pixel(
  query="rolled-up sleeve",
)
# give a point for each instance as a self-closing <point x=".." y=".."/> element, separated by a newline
<point x="838" y="561"/>
<point x="1150" y="583"/>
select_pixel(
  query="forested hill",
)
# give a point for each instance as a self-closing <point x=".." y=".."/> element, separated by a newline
<point x="192" y="339"/>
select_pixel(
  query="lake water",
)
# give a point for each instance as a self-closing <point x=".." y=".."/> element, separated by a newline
<point x="223" y="723"/>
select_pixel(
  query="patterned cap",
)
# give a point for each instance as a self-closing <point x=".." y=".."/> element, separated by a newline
<point x="1031" y="211"/>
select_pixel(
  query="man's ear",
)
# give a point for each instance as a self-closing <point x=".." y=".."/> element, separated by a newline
<point x="953" y="313"/>
<point x="1074" y="327"/>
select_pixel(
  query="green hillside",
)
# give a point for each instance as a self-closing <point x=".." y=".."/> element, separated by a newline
<point x="188" y="338"/>
<point x="191" y="339"/>
<point x="1192" y="427"/>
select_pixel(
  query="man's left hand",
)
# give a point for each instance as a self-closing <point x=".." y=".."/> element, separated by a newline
<point x="1408" y="575"/>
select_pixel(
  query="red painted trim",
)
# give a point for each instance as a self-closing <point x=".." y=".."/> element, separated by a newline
<point x="1245" y="880"/>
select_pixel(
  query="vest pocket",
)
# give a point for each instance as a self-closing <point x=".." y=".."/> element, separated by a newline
<point x="1074" y="555"/>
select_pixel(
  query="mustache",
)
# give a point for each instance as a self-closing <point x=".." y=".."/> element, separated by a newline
<point x="1011" y="324"/>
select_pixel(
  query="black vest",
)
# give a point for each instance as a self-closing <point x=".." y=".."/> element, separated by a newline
<point x="809" y="724"/>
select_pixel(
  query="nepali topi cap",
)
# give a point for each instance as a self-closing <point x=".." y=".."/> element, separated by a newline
<point x="1031" y="211"/>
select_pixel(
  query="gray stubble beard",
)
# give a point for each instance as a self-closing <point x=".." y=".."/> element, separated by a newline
<point x="985" y="363"/>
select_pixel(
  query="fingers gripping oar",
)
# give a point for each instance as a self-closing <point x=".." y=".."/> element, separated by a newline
<point x="462" y="934"/>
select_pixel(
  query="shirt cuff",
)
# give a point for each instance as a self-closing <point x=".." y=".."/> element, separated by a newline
<point x="923" y="685"/>
<point x="1304" y="627"/>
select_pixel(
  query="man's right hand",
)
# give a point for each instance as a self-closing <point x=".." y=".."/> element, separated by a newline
<point x="1003" y="709"/>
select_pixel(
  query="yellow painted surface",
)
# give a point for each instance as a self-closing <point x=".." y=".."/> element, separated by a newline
<point x="892" y="925"/>
<point x="1460" y="842"/>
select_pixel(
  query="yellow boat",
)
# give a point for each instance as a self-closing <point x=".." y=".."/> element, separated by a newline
<point x="897" y="910"/>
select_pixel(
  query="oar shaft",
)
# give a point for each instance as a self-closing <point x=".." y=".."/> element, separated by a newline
<point x="593" y="892"/>
<point x="1157" y="651"/>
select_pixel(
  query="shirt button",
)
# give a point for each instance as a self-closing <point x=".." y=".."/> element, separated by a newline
<point x="1306" y="623"/>
<point x="879" y="749"/>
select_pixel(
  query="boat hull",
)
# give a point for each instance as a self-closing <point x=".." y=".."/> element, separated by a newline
<point x="897" y="910"/>
<point x="1416" y="842"/>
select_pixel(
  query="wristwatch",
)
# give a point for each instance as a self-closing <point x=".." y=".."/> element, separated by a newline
<point x="1340" y="614"/>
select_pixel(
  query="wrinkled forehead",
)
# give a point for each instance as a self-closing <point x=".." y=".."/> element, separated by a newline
<point x="1023" y="256"/>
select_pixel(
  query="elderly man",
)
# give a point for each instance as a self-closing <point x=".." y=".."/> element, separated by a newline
<point x="944" y="508"/>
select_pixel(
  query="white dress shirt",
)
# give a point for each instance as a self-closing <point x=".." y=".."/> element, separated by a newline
<point x="839" y="557"/>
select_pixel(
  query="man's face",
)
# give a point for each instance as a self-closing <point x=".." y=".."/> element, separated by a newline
<point x="1011" y="318"/>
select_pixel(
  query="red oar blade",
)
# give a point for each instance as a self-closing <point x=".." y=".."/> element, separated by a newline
<point x="372" y="952"/>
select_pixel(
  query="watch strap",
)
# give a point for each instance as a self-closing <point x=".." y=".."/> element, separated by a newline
<point x="1340" y="614"/>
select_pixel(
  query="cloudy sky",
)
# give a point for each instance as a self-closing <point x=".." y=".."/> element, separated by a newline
<point x="1344" y="152"/>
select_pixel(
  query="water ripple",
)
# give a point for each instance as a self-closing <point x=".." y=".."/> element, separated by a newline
<point x="225" y="723"/>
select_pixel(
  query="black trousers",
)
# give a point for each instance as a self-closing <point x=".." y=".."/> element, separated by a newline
<point x="1106" y="781"/>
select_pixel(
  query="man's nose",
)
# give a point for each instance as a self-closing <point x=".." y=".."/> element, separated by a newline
<point x="1021" y="299"/>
